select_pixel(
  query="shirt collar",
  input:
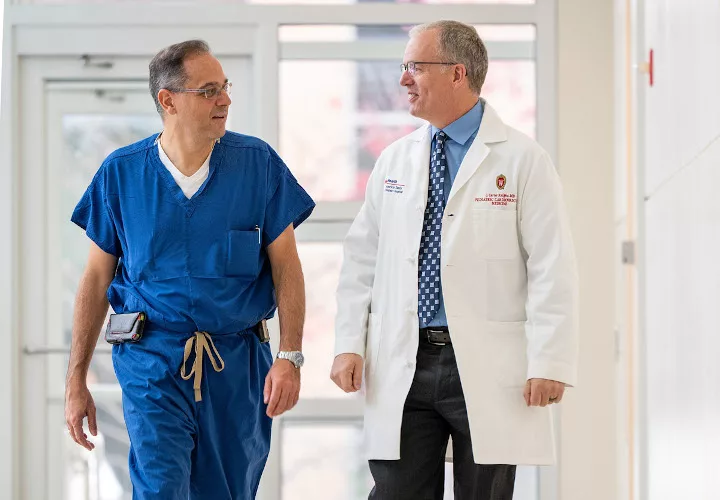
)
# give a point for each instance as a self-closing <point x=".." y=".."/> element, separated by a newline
<point x="464" y="127"/>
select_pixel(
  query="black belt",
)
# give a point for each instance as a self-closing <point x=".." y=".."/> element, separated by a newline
<point x="438" y="335"/>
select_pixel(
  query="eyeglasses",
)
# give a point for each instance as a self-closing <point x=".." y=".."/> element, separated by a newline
<point x="209" y="92"/>
<point x="411" y="66"/>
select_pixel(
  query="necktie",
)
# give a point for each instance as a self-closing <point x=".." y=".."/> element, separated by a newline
<point x="429" y="259"/>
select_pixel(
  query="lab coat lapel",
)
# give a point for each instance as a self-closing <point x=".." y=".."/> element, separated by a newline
<point x="492" y="130"/>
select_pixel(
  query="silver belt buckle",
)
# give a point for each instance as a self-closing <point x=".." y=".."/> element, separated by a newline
<point x="427" y="333"/>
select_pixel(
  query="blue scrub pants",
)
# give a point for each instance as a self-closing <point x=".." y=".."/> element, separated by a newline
<point x="214" y="449"/>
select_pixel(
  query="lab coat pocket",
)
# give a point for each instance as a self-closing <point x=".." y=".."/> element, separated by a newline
<point x="509" y="353"/>
<point x="373" y="342"/>
<point x="243" y="257"/>
<point x="506" y="290"/>
<point x="495" y="233"/>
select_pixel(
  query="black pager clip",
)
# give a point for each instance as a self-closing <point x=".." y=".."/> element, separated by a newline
<point x="126" y="327"/>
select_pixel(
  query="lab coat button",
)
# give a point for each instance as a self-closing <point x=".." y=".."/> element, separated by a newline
<point x="410" y="364"/>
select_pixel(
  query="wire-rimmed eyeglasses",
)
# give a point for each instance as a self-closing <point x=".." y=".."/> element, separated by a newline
<point x="209" y="92"/>
<point x="411" y="66"/>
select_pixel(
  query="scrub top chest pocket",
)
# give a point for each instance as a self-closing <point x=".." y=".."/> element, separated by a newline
<point x="243" y="259"/>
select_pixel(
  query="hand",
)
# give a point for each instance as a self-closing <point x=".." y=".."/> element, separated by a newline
<point x="282" y="387"/>
<point x="346" y="371"/>
<point x="543" y="392"/>
<point x="78" y="405"/>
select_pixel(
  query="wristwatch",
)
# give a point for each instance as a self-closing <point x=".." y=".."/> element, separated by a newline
<point x="295" y="357"/>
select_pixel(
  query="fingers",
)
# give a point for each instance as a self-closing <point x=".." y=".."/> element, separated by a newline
<point x="78" y="405"/>
<point x="71" y="431"/>
<point x="347" y="371"/>
<point x="543" y="392"/>
<point x="273" y="400"/>
<point x="284" y="404"/>
<point x="92" y="418"/>
<point x="342" y="378"/>
<point x="357" y="376"/>
<point x="535" y="395"/>
<point x="346" y="381"/>
<point x="79" y="436"/>
<point x="526" y="393"/>
<point x="558" y="393"/>
<point x="282" y="388"/>
<point x="287" y="399"/>
<point x="267" y="389"/>
<point x="294" y="396"/>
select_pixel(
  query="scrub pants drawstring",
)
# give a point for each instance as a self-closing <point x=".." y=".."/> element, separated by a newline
<point x="203" y="343"/>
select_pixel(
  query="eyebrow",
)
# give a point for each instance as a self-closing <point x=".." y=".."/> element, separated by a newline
<point x="213" y="84"/>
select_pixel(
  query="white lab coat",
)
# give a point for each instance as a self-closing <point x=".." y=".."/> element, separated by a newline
<point x="509" y="283"/>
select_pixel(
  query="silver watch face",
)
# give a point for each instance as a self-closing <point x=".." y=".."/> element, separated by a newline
<point x="295" y="357"/>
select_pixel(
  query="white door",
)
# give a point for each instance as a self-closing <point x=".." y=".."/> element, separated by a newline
<point x="81" y="122"/>
<point x="86" y="122"/>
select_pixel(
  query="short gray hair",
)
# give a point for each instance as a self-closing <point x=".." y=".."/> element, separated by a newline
<point x="167" y="70"/>
<point x="461" y="44"/>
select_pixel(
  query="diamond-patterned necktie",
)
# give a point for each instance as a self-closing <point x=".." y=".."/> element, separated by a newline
<point x="429" y="259"/>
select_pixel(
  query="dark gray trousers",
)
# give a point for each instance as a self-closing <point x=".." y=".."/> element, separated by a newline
<point x="434" y="410"/>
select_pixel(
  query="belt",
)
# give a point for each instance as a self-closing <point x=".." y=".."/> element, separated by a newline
<point x="436" y="335"/>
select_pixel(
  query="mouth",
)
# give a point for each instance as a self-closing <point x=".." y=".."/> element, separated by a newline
<point x="219" y="117"/>
<point x="412" y="97"/>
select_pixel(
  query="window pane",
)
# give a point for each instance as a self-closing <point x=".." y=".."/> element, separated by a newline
<point x="510" y="89"/>
<point x="321" y="267"/>
<point x="352" y="33"/>
<point x="324" y="462"/>
<point x="337" y="116"/>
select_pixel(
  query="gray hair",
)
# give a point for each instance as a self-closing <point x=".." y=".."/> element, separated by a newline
<point x="461" y="44"/>
<point x="167" y="70"/>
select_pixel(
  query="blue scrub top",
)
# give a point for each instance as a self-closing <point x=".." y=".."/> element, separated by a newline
<point x="197" y="264"/>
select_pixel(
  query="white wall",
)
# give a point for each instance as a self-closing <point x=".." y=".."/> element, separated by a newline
<point x="8" y="469"/>
<point x="682" y="209"/>
<point x="586" y="156"/>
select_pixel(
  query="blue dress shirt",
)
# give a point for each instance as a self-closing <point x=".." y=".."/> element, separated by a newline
<point x="461" y="134"/>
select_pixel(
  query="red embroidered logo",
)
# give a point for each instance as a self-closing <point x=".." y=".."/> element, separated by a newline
<point x="500" y="181"/>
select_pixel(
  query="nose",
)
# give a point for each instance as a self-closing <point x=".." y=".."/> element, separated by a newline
<point x="224" y="99"/>
<point x="405" y="79"/>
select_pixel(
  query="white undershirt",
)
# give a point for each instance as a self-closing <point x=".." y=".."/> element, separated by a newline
<point x="189" y="185"/>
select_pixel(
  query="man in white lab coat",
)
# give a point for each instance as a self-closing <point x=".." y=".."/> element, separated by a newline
<point x="457" y="302"/>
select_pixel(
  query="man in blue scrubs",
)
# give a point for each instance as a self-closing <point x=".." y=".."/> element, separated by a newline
<point x="195" y="228"/>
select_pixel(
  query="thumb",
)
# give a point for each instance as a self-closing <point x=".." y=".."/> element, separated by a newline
<point x="357" y="375"/>
<point x="92" y="418"/>
<point x="268" y="388"/>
